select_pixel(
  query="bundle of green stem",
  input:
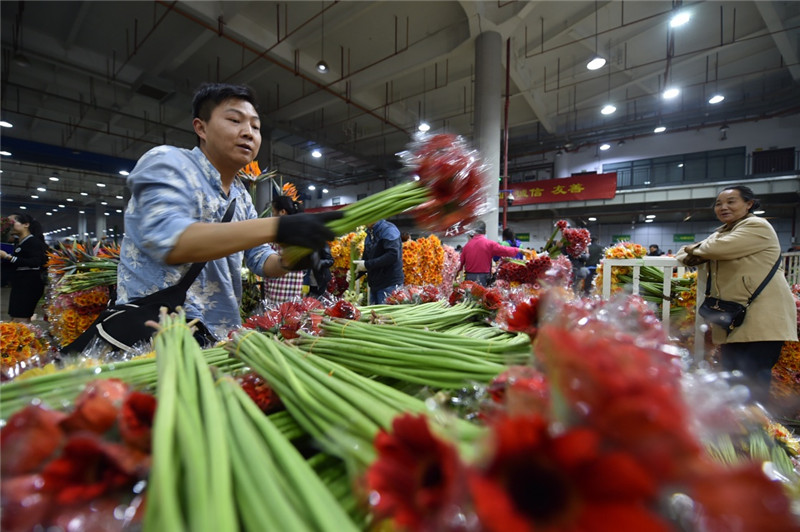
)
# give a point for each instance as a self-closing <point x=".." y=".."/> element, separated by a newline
<point x="82" y="269"/>
<point x="430" y="358"/>
<point x="435" y="315"/>
<point x="651" y="286"/>
<point x="384" y="204"/>
<point x="103" y="273"/>
<point x="218" y="462"/>
<point x="340" y="409"/>
<point x="58" y="390"/>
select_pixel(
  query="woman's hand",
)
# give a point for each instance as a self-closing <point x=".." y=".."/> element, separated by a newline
<point x="4" y="255"/>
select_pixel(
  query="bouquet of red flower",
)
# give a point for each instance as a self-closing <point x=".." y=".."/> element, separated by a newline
<point x="449" y="191"/>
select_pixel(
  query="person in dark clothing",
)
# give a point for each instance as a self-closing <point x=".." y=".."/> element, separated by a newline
<point x="28" y="262"/>
<point x="383" y="260"/>
<point x="655" y="251"/>
<point x="320" y="275"/>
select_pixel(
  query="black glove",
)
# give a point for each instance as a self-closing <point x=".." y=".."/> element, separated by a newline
<point x="309" y="261"/>
<point x="306" y="230"/>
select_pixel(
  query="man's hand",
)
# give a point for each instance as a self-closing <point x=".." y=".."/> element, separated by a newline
<point x="306" y="230"/>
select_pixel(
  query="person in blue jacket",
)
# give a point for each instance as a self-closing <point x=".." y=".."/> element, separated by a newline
<point x="383" y="260"/>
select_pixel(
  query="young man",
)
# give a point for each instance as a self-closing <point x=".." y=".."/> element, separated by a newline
<point x="179" y="197"/>
<point x="383" y="260"/>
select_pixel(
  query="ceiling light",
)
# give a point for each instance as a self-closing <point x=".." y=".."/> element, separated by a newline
<point x="604" y="147"/>
<point x="23" y="207"/>
<point x="3" y="123"/>
<point x="107" y="213"/>
<point x="680" y="165"/>
<point x="103" y="203"/>
<point x="316" y="154"/>
<point x="592" y="219"/>
<point x="61" y="205"/>
<point x="84" y="194"/>
<point x="49" y="213"/>
<point x="312" y="187"/>
<point x="759" y="212"/>
<point x="119" y="197"/>
<point x="608" y="109"/>
<point x="324" y="190"/>
<point x="5" y="153"/>
<point x="119" y="210"/>
<point x="81" y="212"/>
<point x="650" y="216"/>
<point x="716" y="98"/>
<point x="34" y="196"/>
<point x="101" y="185"/>
<point x="322" y="67"/>
<point x="70" y="199"/>
<point x="660" y="129"/>
<point x="680" y="19"/>
<point x="649" y="221"/>
<point x="53" y="178"/>
<point x="595" y="63"/>
<point x="424" y="127"/>
<point x="41" y="189"/>
<point x="647" y="182"/>
<point x="671" y="93"/>
<point x="416" y="177"/>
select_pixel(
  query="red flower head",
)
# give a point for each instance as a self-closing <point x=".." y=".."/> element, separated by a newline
<point x="416" y="476"/>
<point x="343" y="309"/>
<point x="136" y="420"/>
<point x="522" y="390"/>
<point x="562" y="224"/>
<point x="741" y="499"/>
<point x="89" y="467"/>
<point x="31" y="436"/>
<point x="96" y="406"/>
<point x="537" y="481"/>
<point x="259" y="391"/>
<point x="525" y="317"/>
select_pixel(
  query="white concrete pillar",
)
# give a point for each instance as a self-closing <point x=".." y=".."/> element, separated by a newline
<point x="488" y="115"/>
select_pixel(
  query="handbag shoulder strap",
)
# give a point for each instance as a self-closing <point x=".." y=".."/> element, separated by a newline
<point x="189" y="277"/>
<point x="757" y="290"/>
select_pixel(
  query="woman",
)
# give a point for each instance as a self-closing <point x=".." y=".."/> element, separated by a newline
<point x="741" y="254"/>
<point x="28" y="265"/>
<point x="288" y="287"/>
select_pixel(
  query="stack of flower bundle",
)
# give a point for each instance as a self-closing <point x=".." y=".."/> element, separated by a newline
<point x="423" y="261"/>
<point x="23" y="346"/>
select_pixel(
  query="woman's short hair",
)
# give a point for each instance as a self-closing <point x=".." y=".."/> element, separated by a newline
<point x="286" y="203"/>
<point x="747" y="194"/>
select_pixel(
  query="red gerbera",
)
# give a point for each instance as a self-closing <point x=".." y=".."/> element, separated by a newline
<point x="416" y="476"/>
<point x="525" y="317"/>
<point x="31" y="436"/>
<point x="136" y="420"/>
<point x="96" y="406"/>
<point x="537" y="481"/>
<point x="89" y="467"/>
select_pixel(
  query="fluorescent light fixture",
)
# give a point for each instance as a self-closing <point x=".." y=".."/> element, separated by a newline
<point x="759" y="212"/>
<point x="124" y="172"/>
<point x="680" y="165"/>
<point x="604" y="147"/>
<point x="23" y="207"/>
<point x="647" y="182"/>
<point x="312" y="187"/>
<point x="649" y="221"/>
<point x="5" y="153"/>
<point x="53" y="178"/>
<point x="84" y="194"/>
<point x="650" y="216"/>
<point x="62" y="206"/>
<point x="103" y="203"/>
<point x="596" y="62"/>
<point x="101" y="185"/>
<point x="316" y="154"/>
<point x="671" y="93"/>
<point x="322" y="67"/>
<point x="660" y="129"/>
<point x="716" y="98"/>
<point x="680" y="19"/>
<point x="34" y="196"/>
<point x="119" y="197"/>
<point x="424" y="127"/>
<point x="592" y="219"/>
<point x="608" y="109"/>
<point x="49" y="213"/>
<point x="41" y="189"/>
<point x="119" y="210"/>
<point x="81" y="212"/>
<point x="70" y="199"/>
<point x="324" y="190"/>
<point x="3" y="123"/>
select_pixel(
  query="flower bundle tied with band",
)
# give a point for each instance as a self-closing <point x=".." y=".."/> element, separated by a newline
<point x="449" y="193"/>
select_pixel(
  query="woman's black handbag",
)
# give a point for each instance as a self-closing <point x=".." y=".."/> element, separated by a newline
<point x="729" y="314"/>
<point x="123" y="326"/>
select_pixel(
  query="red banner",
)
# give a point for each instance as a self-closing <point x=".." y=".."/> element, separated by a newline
<point x="577" y="188"/>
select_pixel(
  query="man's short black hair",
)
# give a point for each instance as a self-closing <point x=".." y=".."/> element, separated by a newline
<point x="209" y="95"/>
